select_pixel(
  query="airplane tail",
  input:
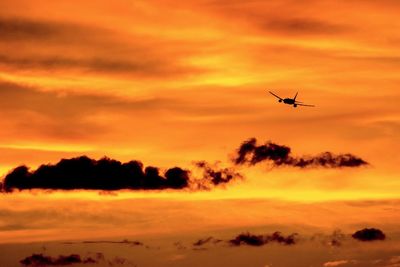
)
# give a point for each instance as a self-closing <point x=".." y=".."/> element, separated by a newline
<point x="295" y="96"/>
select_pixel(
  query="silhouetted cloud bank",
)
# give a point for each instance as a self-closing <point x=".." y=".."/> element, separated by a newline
<point x="369" y="234"/>
<point x="250" y="153"/>
<point x="109" y="174"/>
<point x="42" y="260"/>
<point x="260" y="240"/>
<point x="104" y="174"/>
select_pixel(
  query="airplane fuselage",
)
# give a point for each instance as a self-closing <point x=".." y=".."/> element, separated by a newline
<point x="288" y="101"/>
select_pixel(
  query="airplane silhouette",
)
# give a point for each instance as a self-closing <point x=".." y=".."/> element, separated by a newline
<point x="291" y="101"/>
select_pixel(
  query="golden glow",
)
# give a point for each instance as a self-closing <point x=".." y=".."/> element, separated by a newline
<point x="172" y="82"/>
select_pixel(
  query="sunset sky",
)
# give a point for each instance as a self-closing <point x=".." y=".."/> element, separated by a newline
<point x="170" y="83"/>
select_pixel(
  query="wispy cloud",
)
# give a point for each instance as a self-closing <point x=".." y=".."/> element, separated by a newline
<point x="279" y="155"/>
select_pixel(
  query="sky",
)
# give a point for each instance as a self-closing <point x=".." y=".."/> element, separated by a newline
<point x="185" y="84"/>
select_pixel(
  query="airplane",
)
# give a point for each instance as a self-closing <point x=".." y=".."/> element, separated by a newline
<point x="291" y="101"/>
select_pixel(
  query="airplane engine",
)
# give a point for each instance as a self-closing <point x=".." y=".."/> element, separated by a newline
<point x="294" y="105"/>
<point x="280" y="100"/>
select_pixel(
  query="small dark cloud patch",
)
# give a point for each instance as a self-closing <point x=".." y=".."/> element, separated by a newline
<point x="123" y="242"/>
<point x="37" y="260"/>
<point x="40" y="260"/>
<point x="86" y="173"/>
<point x="250" y="153"/>
<point x="369" y="234"/>
<point x="205" y="241"/>
<point x="261" y="240"/>
<point x="214" y="175"/>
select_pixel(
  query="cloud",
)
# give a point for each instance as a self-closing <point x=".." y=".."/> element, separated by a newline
<point x="108" y="174"/>
<point x="39" y="114"/>
<point x="87" y="48"/>
<point x="207" y="240"/>
<point x="290" y="20"/>
<point x="39" y="260"/>
<point x="250" y="153"/>
<point x="86" y="173"/>
<point x="214" y="175"/>
<point x="25" y="29"/>
<point x="260" y="240"/>
<point x="124" y="242"/>
<point x="42" y="260"/>
<point x="97" y="64"/>
<point x="300" y="26"/>
<point x="369" y="234"/>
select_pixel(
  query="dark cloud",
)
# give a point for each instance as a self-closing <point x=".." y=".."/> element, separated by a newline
<point x="207" y="240"/>
<point x="369" y="234"/>
<point x="86" y="173"/>
<point x="214" y="175"/>
<point x="260" y="240"/>
<point x="40" y="260"/>
<point x="37" y="260"/>
<point x="123" y="242"/>
<point x="108" y="174"/>
<point x="278" y="155"/>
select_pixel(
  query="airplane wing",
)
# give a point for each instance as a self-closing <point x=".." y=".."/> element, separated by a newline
<point x="304" y="105"/>
<point x="275" y="95"/>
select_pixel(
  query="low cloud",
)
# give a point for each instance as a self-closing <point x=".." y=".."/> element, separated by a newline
<point x="213" y="175"/>
<point x="104" y="174"/>
<point x="108" y="174"/>
<point x="369" y="234"/>
<point x="124" y="242"/>
<point x="37" y="260"/>
<point x="40" y="260"/>
<point x="261" y="240"/>
<point x="205" y="241"/>
<point x="250" y="153"/>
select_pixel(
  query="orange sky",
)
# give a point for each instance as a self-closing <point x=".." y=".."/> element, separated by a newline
<point x="171" y="82"/>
